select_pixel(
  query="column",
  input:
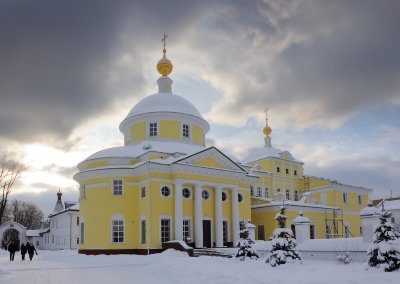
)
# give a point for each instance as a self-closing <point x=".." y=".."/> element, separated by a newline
<point x="178" y="212"/>
<point x="198" y="216"/>
<point x="235" y="216"/>
<point x="219" y="231"/>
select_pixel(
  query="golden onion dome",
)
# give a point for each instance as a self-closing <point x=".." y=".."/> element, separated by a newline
<point x="164" y="66"/>
<point x="267" y="130"/>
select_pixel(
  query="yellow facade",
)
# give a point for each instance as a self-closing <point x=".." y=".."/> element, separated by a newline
<point x="165" y="185"/>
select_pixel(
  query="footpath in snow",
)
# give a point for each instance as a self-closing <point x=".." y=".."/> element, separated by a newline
<point x="68" y="267"/>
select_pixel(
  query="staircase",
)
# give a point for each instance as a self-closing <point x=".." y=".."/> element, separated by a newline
<point x="213" y="252"/>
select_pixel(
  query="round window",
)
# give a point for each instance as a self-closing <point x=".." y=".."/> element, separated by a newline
<point x="205" y="194"/>
<point x="240" y="197"/>
<point x="186" y="193"/>
<point x="165" y="191"/>
<point x="224" y="196"/>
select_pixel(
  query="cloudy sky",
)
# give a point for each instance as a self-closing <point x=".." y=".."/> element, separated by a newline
<point x="329" y="72"/>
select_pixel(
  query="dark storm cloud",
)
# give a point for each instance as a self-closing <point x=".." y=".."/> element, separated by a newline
<point x="339" y="55"/>
<point x="56" y="58"/>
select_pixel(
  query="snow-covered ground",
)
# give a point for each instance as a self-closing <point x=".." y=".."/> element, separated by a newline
<point x="68" y="267"/>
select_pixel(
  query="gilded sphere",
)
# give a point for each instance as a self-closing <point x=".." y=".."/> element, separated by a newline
<point x="267" y="130"/>
<point x="164" y="67"/>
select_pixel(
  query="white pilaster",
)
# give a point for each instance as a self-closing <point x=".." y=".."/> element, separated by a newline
<point x="219" y="242"/>
<point x="198" y="216"/>
<point x="178" y="212"/>
<point x="235" y="216"/>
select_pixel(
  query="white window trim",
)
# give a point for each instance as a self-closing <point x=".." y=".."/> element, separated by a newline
<point x="148" y="128"/>
<point x="112" y="187"/>
<point x="170" y="227"/>
<point x="117" y="217"/>
<point x="143" y="218"/>
<point x="209" y="195"/>
<point x="190" y="190"/>
<point x="190" y="130"/>
<point x="188" y="218"/>
<point x="345" y="200"/>
<point x="229" y="229"/>
<point x="170" y="191"/>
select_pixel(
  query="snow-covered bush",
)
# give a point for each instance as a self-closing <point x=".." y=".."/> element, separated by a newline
<point x="344" y="258"/>
<point x="283" y="243"/>
<point x="245" y="244"/>
<point x="385" y="248"/>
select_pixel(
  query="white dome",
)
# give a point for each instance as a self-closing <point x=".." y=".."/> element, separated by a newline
<point x="164" y="102"/>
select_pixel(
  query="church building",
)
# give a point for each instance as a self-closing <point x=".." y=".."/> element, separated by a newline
<point x="165" y="184"/>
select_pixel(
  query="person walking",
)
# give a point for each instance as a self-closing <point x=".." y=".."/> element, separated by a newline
<point x="31" y="250"/>
<point x="23" y="251"/>
<point x="12" y="248"/>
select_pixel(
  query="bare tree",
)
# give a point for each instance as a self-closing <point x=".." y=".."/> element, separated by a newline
<point x="26" y="213"/>
<point x="10" y="171"/>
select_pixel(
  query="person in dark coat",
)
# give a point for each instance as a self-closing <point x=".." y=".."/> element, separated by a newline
<point x="23" y="251"/>
<point x="31" y="250"/>
<point x="12" y="248"/>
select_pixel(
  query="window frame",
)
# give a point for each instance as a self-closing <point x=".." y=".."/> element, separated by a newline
<point x="207" y="194"/>
<point x="189" y="229"/>
<point x="115" y="187"/>
<point x="278" y="169"/>
<point x="185" y="189"/>
<point x="169" y="219"/>
<point x="120" y="238"/>
<point x="240" y="197"/>
<point x="142" y="192"/>
<point x="345" y="196"/>
<point x="296" y="195"/>
<point x="169" y="191"/>
<point x="287" y="194"/>
<point x="143" y="236"/>
<point x="222" y="196"/>
<point x="153" y="129"/>
<point x="186" y="132"/>
<point x="312" y="231"/>
<point x="359" y="199"/>
<point x="225" y="221"/>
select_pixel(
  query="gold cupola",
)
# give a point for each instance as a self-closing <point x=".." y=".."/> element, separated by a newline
<point x="267" y="130"/>
<point x="164" y="65"/>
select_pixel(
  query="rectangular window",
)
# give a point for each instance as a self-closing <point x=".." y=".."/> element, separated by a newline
<point x="143" y="231"/>
<point x="153" y="129"/>
<point x="77" y="221"/>
<point x="328" y="231"/>
<point x="347" y="231"/>
<point x="278" y="190"/>
<point x="312" y="231"/>
<point x="82" y="232"/>
<point x="360" y="199"/>
<point x="259" y="189"/>
<point x="287" y="194"/>
<point x="287" y="171"/>
<point x="185" y="131"/>
<point x="165" y="230"/>
<point x="296" y="195"/>
<point x="360" y="230"/>
<point x="52" y="239"/>
<point x="118" y="231"/>
<point x="345" y="197"/>
<point x="225" y="230"/>
<point x="278" y="169"/>
<point x="143" y="192"/>
<point x="77" y="241"/>
<point x="266" y="192"/>
<point x="295" y="172"/>
<point x="251" y="190"/>
<point x="186" y="230"/>
<point x="261" y="232"/>
<point x="117" y="187"/>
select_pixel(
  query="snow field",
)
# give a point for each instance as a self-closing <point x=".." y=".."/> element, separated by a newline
<point x="62" y="267"/>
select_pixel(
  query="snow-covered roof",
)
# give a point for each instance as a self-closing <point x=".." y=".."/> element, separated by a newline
<point x="33" y="233"/>
<point x="136" y="150"/>
<point x="388" y="205"/>
<point x="268" y="152"/>
<point x="164" y="102"/>
<point x="272" y="203"/>
<point x="301" y="219"/>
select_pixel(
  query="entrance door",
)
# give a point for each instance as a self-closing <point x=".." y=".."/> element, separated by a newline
<point x="207" y="233"/>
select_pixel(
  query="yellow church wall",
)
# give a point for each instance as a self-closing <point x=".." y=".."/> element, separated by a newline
<point x="197" y="135"/>
<point x="98" y="208"/>
<point x="245" y="207"/>
<point x="138" y="132"/>
<point x="209" y="162"/>
<point x="170" y="129"/>
<point x="96" y="164"/>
